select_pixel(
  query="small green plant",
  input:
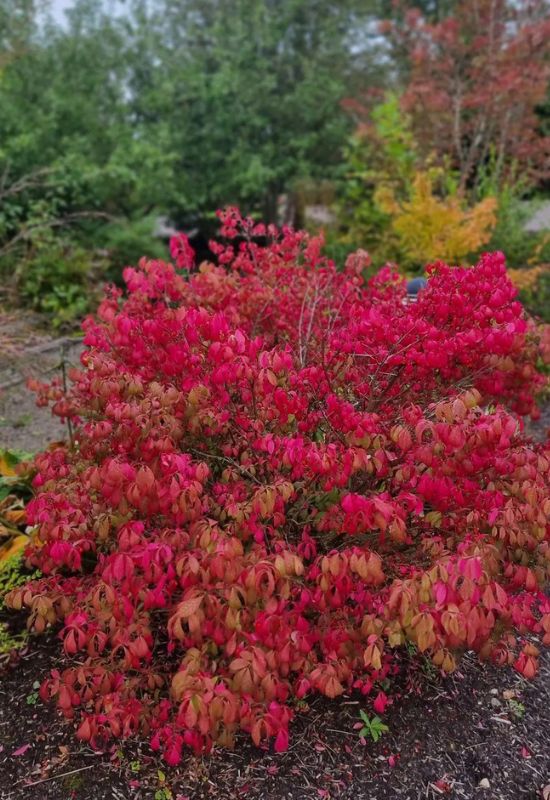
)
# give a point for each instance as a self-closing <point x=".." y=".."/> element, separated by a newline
<point x="32" y="697"/>
<point x="73" y="783"/>
<point x="429" y="669"/>
<point x="13" y="573"/>
<point x="517" y="708"/>
<point x="426" y="666"/>
<point x="302" y="706"/>
<point x="370" y="728"/>
<point x="164" y="792"/>
<point x="411" y="648"/>
<point x="9" y="641"/>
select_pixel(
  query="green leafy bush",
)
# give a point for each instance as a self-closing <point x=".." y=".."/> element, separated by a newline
<point x="536" y="298"/>
<point x="127" y="241"/>
<point x="60" y="280"/>
<point x="382" y="152"/>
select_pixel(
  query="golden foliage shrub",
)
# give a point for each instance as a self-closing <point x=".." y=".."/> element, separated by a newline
<point x="432" y="228"/>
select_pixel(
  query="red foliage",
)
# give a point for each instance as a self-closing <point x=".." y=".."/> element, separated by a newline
<point x="476" y="79"/>
<point x="280" y="476"/>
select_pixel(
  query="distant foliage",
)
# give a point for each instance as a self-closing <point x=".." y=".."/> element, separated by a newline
<point x="382" y="154"/>
<point x="430" y="227"/>
<point x="533" y="284"/>
<point x="401" y="207"/>
<point x="281" y="476"/>
<point x="526" y="279"/>
<point x="474" y="81"/>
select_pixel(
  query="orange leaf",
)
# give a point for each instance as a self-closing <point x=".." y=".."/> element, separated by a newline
<point x="189" y="607"/>
<point x="13" y="547"/>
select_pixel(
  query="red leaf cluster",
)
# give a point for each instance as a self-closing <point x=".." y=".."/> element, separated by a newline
<point x="281" y="475"/>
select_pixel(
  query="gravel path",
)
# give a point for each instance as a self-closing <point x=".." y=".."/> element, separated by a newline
<point x="27" y="351"/>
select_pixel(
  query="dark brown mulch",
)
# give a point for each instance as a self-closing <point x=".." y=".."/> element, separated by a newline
<point x="483" y="733"/>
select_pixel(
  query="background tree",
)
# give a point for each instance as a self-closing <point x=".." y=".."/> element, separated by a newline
<point x="176" y="107"/>
<point x="476" y="78"/>
<point x="171" y="108"/>
<point x="252" y="91"/>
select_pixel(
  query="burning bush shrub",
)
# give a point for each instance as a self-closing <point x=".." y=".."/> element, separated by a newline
<point x="280" y="476"/>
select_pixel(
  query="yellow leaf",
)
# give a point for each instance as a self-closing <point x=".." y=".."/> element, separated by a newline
<point x="15" y="515"/>
<point x="5" y="469"/>
<point x="13" y="547"/>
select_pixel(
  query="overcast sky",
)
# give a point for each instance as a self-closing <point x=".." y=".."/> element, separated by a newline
<point x="59" y="6"/>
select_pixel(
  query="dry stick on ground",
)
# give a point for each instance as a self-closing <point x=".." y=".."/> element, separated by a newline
<point x="63" y="343"/>
<point x="55" y="777"/>
<point x="64" y="359"/>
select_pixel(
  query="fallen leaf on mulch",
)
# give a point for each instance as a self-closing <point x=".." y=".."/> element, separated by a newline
<point x="21" y="750"/>
<point x="442" y="786"/>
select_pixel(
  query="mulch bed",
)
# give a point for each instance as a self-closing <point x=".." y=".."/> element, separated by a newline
<point x="482" y="733"/>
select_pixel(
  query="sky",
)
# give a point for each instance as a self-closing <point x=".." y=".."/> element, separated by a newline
<point x="59" y="6"/>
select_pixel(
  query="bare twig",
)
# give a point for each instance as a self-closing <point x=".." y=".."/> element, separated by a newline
<point x="25" y="232"/>
<point x="64" y="350"/>
<point x="30" y="181"/>
<point x="55" y="777"/>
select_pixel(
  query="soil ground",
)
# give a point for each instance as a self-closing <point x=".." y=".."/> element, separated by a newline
<point x="482" y="733"/>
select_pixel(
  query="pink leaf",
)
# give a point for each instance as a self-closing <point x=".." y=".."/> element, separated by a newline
<point x="440" y="592"/>
<point x="281" y="741"/>
<point x="21" y="750"/>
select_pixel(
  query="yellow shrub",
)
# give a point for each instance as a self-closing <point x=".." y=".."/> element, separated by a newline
<point x="431" y="228"/>
<point x="526" y="279"/>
